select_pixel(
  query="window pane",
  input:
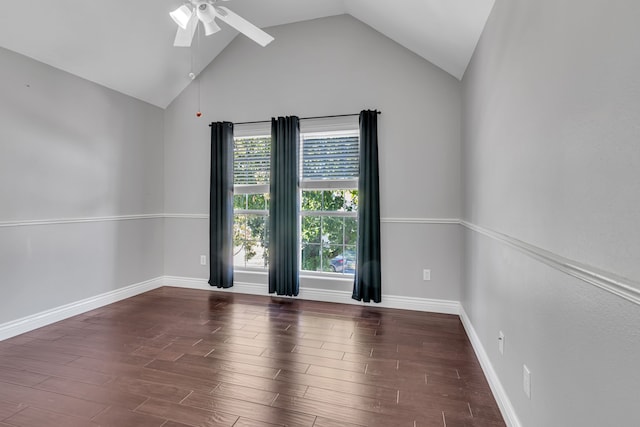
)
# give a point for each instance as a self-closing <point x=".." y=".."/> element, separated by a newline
<point x="311" y="229"/>
<point x="351" y="200"/>
<point x="256" y="202"/>
<point x="312" y="200"/>
<point x="250" y="241"/>
<point x="256" y="255"/>
<point x="333" y="230"/>
<point x="350" y="260"/>
<point x="328" y="244"/>
<point x="239" y="229"/>
<point x="239" y="201"/>
<point x="330" y="258"/>
<point x="256" y="227"/>
<point x="341" y="260"/>
<point x="333" y="200"/>
<point x="350" y="231"/>
<point x="311" y="257"/>
<point x="239" y="239"/>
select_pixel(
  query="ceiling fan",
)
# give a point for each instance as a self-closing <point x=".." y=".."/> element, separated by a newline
<point x="189" y="14"/>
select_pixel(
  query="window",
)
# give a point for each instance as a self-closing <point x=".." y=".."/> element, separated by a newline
<point x="251" y="201"/>
<point x="329" y="201"/>
<point x="329" y="185"/>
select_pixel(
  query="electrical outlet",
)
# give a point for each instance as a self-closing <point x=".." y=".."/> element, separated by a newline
<point x="426" y="274"/>
<point x="203" y="260"/>
<point x="526" y="381"/>
<point x="501" y="342"/>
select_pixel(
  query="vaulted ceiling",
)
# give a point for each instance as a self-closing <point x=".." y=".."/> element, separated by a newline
<point x="127" y="45"/>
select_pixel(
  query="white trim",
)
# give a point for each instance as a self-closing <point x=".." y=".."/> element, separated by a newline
<point x="203" y="284"/>
<point x="504" y="403"/>
<point x="47" y="317"/>
<point x="339" y="124"/>
<point x="324" y="295"/>
<point x="186" y="216"/>
<point x="388" y="220"/>
<point x="23" y="223"/>
<point x="328" y="184"/>
<point x="256" y="212"/>
<point x="620" y="286"/>
<point x="326" y="275"/>
<point x="341" y="214"/>
<point x="251" y="188"/>
<point x="420" y="220"/>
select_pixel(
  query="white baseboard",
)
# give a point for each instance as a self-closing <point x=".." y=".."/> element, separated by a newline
<point x="325" y="295"/>
<point x="203" y="284"/>
<point x="44" y="318"/>
<point x="504" y="403"/>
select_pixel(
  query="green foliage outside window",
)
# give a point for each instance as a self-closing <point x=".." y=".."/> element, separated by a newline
<point x="328" y="222"/>
<point x="250" y="230"/>
<point x="324" y="236"/>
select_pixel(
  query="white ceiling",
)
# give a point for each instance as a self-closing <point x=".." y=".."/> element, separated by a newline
<point x="127" y="45"/>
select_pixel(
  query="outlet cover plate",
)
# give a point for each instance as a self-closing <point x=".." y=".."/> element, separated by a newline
<point x="426" y="274"/>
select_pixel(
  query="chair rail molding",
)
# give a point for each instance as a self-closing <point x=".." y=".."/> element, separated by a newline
<point x="607" y="281"/>
<point x="79" y="220"/>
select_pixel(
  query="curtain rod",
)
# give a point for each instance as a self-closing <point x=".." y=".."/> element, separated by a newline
<point x="303" y="118"/>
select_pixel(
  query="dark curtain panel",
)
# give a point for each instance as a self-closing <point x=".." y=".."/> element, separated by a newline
<point x="283" y="209"/>
<point x="221" y="206"/>
<point x="367" y="284"/>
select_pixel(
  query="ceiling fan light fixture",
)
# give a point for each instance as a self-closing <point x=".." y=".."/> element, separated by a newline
<point x="190" y="14"/>
<point x="210" y="28"/>
<point x="205" y="12"/>
<point x="181" y="16"/>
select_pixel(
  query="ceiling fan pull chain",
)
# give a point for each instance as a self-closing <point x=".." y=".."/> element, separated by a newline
<point x="194" y="69"/>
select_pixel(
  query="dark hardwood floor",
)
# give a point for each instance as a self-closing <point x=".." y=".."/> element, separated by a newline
<point x="178" y="357"/>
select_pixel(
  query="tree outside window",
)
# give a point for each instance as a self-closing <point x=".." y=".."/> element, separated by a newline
<point x="329" y="201"/>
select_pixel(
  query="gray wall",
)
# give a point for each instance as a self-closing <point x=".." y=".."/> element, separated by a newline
<point x="72" y="149"/>
<point x="551" y="158"/>
<point x="330" y="66"/>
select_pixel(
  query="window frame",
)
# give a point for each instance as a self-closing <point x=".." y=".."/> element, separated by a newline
<point x="323" y="185"/>
<point x="335" y="126"/>
<point x="247" y="189"/>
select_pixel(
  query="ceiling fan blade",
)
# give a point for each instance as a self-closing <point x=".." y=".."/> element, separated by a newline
<point x="181" y="16"/>
<point x="244" y="26"/>
<point x="185" y="36"/>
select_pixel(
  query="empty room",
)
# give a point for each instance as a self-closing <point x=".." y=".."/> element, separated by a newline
<point x="320" y="213"/>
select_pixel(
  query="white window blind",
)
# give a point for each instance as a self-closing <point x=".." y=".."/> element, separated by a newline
<point x="330" y="157"/>
<point x="251" y="163"/>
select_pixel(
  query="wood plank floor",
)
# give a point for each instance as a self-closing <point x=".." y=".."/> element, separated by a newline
<point x="179" y="357"/>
